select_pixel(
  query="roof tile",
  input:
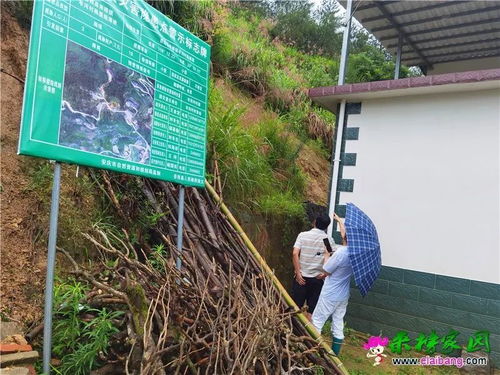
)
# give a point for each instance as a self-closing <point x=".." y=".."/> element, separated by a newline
<point x="442" y="79"/>
<point x="400" y="83"/>
<point x="490" y="74"/>
<point x="379" y="85"/>
<point x="468" y="76"/>
<point x="329" y="90"/>
<point x="434" y="80"/>
<point x="316" y="91"/>
<point x="344" y="89"/>
<point x="360" y="87"/>
<point x="420" y="81"/>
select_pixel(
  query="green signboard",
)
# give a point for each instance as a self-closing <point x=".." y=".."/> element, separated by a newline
<point x="116" y="85"/>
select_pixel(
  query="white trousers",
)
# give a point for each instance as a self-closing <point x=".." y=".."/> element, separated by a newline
<point x="324" y="309"/>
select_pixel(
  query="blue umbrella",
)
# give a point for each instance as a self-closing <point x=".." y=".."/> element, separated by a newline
<point x="363" y="247"/>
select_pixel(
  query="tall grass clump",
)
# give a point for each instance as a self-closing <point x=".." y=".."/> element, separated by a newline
<point x="256" y="165"/>
<point x="81" y="333"/>
<point x="195" y="16"/>
<point x="282" y="203"/>
<point x="281" y="152"/>
<point x="244" y="52"/>
<point x="243" y="170"/>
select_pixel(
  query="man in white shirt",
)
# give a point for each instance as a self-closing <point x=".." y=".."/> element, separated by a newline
<point x="335" y="292"/>
<point x="308" y="254"/>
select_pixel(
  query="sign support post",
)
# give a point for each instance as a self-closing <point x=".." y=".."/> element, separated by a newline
<point x="51" y="260"/>
<point x="180" y="224"/>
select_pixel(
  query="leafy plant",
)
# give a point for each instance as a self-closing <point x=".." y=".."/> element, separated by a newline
<point x="78" y="342"/>
<point x="157" y="256"/>
<point x="68" y="326"/>
<point x="154" y="217"/>
<point x="94" y="341"/>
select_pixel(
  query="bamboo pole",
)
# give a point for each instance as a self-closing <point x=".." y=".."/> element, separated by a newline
<point x="288" y="299"/>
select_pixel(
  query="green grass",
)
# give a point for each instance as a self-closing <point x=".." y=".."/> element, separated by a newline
<point x="243" y="169"/>
<point x="78" y="342"/>
<point x="79" y="205"/>
<point x="41" y="174"/>
<point x="279" y="73"/>
<point x="186" y="13"/>
<point x="257" y="164"/>
<point x="241" y="42"/>
<point x="280" y="203"/>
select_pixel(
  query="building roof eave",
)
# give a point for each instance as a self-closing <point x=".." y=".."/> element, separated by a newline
<point x="328" y="97"/>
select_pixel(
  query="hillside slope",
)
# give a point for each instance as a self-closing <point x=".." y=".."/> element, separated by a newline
<point x="22" y="263"/>
<point x="284" y="162"/>
<point x="26" y="185"/>
<point x="311" y="160"/>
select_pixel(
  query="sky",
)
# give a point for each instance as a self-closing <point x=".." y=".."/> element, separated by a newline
<point x="341" y="11"/>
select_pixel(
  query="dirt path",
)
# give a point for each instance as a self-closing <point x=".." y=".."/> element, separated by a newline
<point x="22" y="265"/>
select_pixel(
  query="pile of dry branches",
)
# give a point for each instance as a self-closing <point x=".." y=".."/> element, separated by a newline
<point x="220" y="314"/>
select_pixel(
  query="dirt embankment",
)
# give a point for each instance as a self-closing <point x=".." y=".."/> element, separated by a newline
<point x="22" y="264"/>
<point x="315" y="166"/>
<point x="25" y="195"/>
<point x="317" y="170"/>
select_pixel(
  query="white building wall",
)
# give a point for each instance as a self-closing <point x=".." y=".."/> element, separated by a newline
<point x="427" y="173"/>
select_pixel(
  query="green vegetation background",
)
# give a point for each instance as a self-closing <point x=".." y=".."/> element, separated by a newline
<point x="273" y="50"/>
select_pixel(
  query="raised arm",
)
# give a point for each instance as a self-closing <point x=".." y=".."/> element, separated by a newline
<point x="341" y="228"/>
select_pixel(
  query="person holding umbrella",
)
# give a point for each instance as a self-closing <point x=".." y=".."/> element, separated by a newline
<point x="359" y="256"/>
<point x="335" y="293"/>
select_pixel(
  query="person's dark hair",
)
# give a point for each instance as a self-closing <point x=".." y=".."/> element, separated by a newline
<point x="322" y="222"/>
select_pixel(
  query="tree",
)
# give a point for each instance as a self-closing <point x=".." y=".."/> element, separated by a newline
<point x="319" y="31"/>
<point x="311" y="31"/>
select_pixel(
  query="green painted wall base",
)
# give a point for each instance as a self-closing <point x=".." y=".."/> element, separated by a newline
<point x="419" y="302"/>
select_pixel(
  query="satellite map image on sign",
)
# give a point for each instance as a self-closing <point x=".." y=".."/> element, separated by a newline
<point x="107" y="108"/>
